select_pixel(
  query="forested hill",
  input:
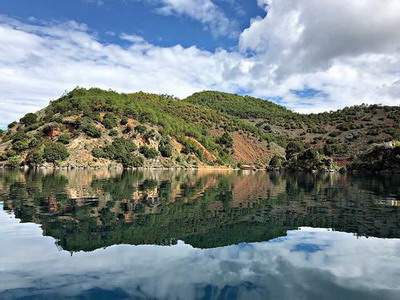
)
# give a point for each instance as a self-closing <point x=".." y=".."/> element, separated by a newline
<point x="96" y="128"/>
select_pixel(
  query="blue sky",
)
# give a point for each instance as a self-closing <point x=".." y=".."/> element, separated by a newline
<point x="293" y="52"/>
<point x="110" y="18"/>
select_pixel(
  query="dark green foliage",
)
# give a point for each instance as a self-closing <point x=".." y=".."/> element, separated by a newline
<point x="140" y="129"/>
<point x="276" y="162"/>
<point x="20" y="145"/>
<point x="165" y="147"/>
<point x="35" y="157"/>
<point x="149" y="153"/>
<point x="54" y="152"/>
<point x="64" y="138"/>
<point x="335" y="149"/>
<point x="190" y="147"/>
<point x="29" y="119"/>
<point x="124" y="121"/>
<point x="14" y="161"/>
<point x="19" y="136"/>
<point x="110" y="120"/>
<point x="225" y="140"/>
<point x="12" y="125"/>
<point x="310" y="160"/>
<point x="293" y="148"/>
<point x="379" y="158"/>
<point x="113" y="132"/>
<point x="121" y="151"/>
<point x="90" y="129"/>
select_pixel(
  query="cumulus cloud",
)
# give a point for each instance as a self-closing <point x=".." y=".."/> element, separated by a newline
<point x="309" y="55"/>
<point x="204" y="11"/>
<point x="40" y="62"/>
<point x="348" y="49"/>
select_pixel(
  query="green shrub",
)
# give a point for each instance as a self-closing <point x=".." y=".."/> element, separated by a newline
<point x="35" y="157"/>
<point x="113" y="132"/>
<point x="140" y="129"/>
<point x="90" y="129"/>
<point x="12" y="125"/>
<point x="293" y="148"/>
<point x="276" y="162"/>
<point x="29" y="119"/>
<point x="14" y="161"/>
<point x="225" y="140"/>
<point x="110" y="120"/>
<point x="124" y="121"/>
<point x="165" y="147"/>
<point x="64" y="139"/>
<point x="120" y="150"/>
<point x="54" y="152"/>
<point x="149" y="153"/>
<point x="20" y="145"/>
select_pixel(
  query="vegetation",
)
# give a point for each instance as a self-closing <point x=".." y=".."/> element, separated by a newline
<point x="206" y="128"/>
<point x="149" y="153"/>
<point x="29" y="119"/>
<point x="54" y="152"/>
<point x="120" y="150"/>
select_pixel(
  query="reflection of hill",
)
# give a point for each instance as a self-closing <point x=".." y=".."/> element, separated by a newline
<point x="88" y="210"/>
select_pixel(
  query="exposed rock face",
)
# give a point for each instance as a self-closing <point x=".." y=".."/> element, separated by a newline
<point x="382" y="158"/>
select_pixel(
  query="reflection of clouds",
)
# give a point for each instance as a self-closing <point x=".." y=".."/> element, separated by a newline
<point x="342" y="265"/>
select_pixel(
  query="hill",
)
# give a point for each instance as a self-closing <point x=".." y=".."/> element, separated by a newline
<point x="97" y="128"/>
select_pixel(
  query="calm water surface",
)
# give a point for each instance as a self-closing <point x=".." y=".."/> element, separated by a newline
<point x="198" y="235"/>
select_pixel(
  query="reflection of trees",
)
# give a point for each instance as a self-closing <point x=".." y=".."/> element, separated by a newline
<point x="92" y="210"/>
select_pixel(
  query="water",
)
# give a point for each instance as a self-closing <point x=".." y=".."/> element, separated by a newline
<point x="198" y="235"/>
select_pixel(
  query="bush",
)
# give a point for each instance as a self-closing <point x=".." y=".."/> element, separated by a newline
<point x="276" y="162"/>
<point x="90" y="130"/>
<point x="149" y="153"/>
<point x="12" y="125"/>
<point x="35" y="157"/>
<point x="124" y="121"/>
<point x="110" y="120"/>
<point x="29" y="119"/>
<point x="165" y="147"/>
<point x="121" y="151"/>
<point x="140" y="129"/>
<point x="20" y="145"/>
<point x="293" y="148"/>
<point x="55" y="152"/>
<point x="225" y="140"/>
<point x="113" y="132"/>
<point x="14" y="161"/>
<point x="64" y="139"/>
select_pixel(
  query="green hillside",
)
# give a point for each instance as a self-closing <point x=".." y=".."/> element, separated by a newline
<point x="95" y="128"/>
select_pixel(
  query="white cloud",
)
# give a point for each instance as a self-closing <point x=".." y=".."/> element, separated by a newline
<point x="348" y="49"/>
<point x="38" y="63"/>
<point x="351" y="56"/>
<point x="205" y="11"/>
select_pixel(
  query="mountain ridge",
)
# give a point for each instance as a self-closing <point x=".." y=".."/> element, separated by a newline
<point x="97" y="128"/>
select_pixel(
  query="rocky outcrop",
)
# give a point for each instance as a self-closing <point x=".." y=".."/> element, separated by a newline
<point x="381" y="158"/>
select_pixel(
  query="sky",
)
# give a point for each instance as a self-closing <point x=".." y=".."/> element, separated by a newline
<point x="308" y="55"/>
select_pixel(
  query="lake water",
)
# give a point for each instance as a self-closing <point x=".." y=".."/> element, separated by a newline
<point x="198" y="235"/>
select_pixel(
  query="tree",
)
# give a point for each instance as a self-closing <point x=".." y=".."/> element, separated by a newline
<point x="29" y="119"/>
<point x="292" y="148"/>
<point x="149" y="153"/>
<point x="64" y="138"/>
<point x="110" y="120"/>
<point x="54" y="152"/>
<point x="225" y="140"/>
<point x="14" y="161"/>
<point x="165" y="147"/>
